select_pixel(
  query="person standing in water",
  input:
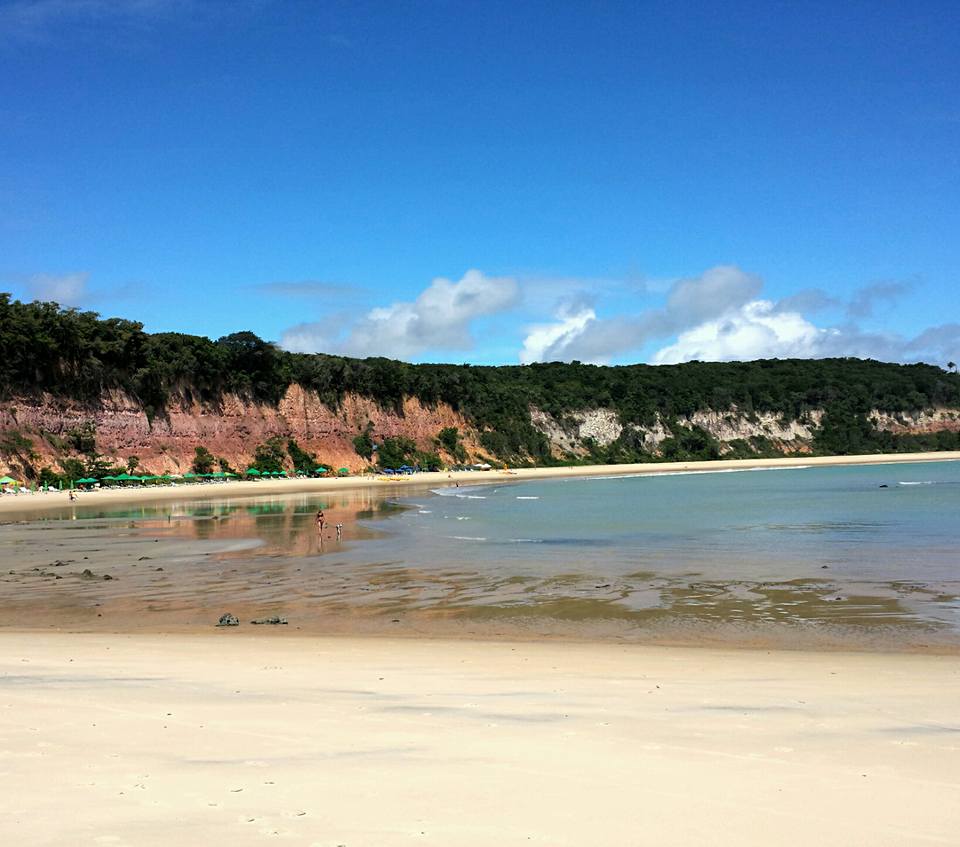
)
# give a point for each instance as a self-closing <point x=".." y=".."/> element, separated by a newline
<point x="321" y="521"/>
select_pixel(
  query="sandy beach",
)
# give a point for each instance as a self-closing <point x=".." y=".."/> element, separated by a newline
<point x="129" y="719"/>
<point x="10" y="505"/>
<point x="152" y="740"/>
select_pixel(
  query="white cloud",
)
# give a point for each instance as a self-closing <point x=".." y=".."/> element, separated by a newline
<point x="719" y="316"/>
<point x="712" y="293"/>
<point x="543" y="339"/>
<point x="756" y="330"/>
<point x="689" y="302"/>
<point x="439" y="319"/>
<point x="763" y="330"/>
<point x="65" y="289"/>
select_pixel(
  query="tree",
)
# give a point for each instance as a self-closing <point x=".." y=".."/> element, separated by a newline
<point x="73" y="469"/>
<point x="49" y="477"/>
<point x="132" y="464"/>
<point x="99" y="466"/>
<point x="363" y="443"/>
<point x="302" y="460"/>
<point x="270" y="456"/>
<point x="429" y="461"/>
<point x="203" y="461"/>
<point x="952" y="366"/>
<point x="395" y="452"/>
<point x="83" y="438"/>
<point x="449" y="439"/>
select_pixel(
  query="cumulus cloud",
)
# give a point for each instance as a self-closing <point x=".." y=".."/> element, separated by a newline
<point x="866" y="300"/>
<point x="763" y="330"/>
<point x="756" y="330"/>
<point x="689" y="302"/>
<point x="65" y="289"/>
<point x="720" y="316"/>
<point x="809" y="300"/>
<point x="713" y="292"/>
<point x="439" y="319"/>
<point x="543" y="340"/>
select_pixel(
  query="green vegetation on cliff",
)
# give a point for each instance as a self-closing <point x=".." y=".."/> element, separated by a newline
<point x="77" y="354"/>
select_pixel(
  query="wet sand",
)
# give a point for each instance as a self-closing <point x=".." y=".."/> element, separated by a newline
<point x="13" y="505"/>
<point x="179" y="575"/>
<point x="233" y="738"/>
<point x="175" y="568"/>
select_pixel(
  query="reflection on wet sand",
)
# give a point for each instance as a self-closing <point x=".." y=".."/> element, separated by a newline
<point x="182" y="565"/>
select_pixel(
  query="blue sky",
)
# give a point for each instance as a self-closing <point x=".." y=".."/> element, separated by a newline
<point x="491" y="182"/>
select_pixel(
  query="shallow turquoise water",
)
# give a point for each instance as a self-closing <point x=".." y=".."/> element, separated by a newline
<point x="759" y="525"/>
<point x="839" y="556"/>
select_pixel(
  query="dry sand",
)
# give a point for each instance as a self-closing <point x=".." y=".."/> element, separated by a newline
<point x="11" y="505"/>
<point x="241" y="738"/>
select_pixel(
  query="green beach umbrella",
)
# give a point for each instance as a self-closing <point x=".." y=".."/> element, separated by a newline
<point x="321" y="469"/>
<point x="229" y="474"/>
<point x="343" y="470"/>
<point x="253" y="472"/>
<point x="6" y="480"/>
<point x="86" y="481"/>
<point x="110" y="478"/>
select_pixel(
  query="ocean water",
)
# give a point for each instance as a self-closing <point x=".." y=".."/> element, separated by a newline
<point x="851" y="556"/>
<point x="885" y="522"/>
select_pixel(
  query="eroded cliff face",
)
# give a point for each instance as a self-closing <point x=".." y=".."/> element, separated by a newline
<point x="232" y="429"/>
<point x="785" y="435"/>
<point x="930" y="420"/>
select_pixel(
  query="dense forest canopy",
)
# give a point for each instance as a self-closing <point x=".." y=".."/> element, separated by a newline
<point x="78" y="354"/>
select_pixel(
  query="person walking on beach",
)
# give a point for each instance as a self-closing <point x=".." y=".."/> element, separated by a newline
<point x="339" y="531"/>
<point x="321" y="521"/>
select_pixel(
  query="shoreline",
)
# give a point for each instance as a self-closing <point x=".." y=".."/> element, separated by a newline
<point x="11" y="505"/>
<point x="159" y="739"/>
